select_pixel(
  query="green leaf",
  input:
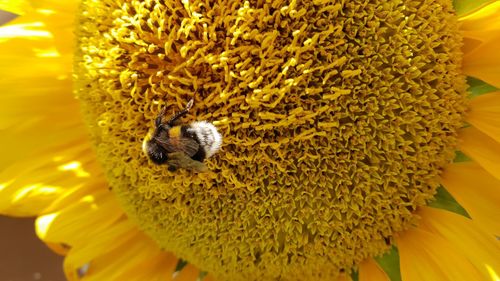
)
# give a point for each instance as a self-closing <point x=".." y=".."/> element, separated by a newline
<point x="464" y="7"/>
<point x="478" y="87"/>
<point x="444" y="200"/>
<point x="355" y="275"/>
<point x="389" y="262"/>
<point x="202" y="275"/>
<point x="461" y="157"/>
<point x="180" y="265"/>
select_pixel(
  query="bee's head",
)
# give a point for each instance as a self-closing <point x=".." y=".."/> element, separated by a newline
<point x="154" y="151"/>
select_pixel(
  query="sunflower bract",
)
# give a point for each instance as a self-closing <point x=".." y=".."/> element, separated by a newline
<point x="337" y="116"/>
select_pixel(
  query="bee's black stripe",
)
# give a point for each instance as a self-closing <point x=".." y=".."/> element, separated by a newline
<point x="200" y="154"/>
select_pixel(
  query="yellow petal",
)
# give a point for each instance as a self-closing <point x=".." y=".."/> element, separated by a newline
<point x="47" y="96"/>
<point x="52" y="145"/>
<point x="28" y="200"/>
<point x="484" y="61"/>
<point x="483" y="149"/>
<point x="481" y="59"/>
<point x="40" y="59"/>
<point x="25" y="196"/>
<point x="30" y="186"/>
<point x="80" y="220"/>
<point x="111" y="263"/>
<point x="108" y="239"/>
<point x="71" y="161"/>
<point x="426" y="256"/>
<point x="483" y="19"/>
<point x="46" y="32"/>
<point x="480" y="248"/>
<point x="40" y="111"/>
<point x="477" y="191"/>
<point x="18" y="7"/>
<point x="68" y="6"/>
<point x="59" y="249"/>
<point x="485" y="114"/>
<point x="191" y="273"/>
<point x="370" y="271"/>
<point x="466" y="7"/>
<point x="157" y="268"/>
<point x="22" y="7"/>
<point x="42" y="108"/>
<point x="481" y="31"/>
<point x="91" y="186"/>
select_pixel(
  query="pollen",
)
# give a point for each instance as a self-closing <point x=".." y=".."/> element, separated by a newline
<point x="338" y="117"/>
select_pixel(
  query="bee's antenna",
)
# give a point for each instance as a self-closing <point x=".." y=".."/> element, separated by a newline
<point x="160" y="117"/>
<point x="181" y="113"/>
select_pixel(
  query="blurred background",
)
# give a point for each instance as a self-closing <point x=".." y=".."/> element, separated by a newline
<point x="24" y="257"/>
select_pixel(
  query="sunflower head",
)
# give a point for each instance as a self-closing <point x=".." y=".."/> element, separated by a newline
<point x="338" y="117"/>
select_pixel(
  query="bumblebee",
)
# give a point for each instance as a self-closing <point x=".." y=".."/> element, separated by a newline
<point x="181" y="145"/>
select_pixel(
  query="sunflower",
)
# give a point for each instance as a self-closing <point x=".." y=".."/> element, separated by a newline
<point x="361" y="139"/>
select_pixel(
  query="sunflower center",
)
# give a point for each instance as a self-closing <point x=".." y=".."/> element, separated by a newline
<point x="337" y="117"/>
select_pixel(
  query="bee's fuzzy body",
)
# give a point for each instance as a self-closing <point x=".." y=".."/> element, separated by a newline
<point x="207" y="136"/>
<point x="197" y="140"/>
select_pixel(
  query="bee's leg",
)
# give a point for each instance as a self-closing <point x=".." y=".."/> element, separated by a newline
<point x="199" y="167"/>
<point x="159" y="117"/>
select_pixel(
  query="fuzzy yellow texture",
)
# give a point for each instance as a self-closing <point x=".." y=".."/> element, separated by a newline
<point x="337" y="118"/>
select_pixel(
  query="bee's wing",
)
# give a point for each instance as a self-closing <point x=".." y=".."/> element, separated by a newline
<point x="189" y="146"/>
<point x="185" y="145"/>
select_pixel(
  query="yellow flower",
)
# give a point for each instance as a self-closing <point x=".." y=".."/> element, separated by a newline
<point x="340" y="120"/>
